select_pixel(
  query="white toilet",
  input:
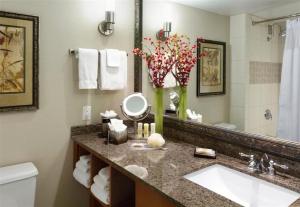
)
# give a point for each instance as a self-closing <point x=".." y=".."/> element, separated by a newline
<point x="17" y="185"/>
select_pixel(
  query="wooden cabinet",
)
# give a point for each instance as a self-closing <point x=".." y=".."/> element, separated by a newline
<point x="147" y="197"/>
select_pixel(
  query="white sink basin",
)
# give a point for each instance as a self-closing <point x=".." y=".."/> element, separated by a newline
<point x="241" y="188"/>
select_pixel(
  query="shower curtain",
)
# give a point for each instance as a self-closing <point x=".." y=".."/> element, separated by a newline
<point x="289" y="99"/>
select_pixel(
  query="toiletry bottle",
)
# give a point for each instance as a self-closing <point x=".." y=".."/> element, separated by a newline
<point x="140" y="131"/>
<point x="146" y="130"/>
<point x="152" y="126"/>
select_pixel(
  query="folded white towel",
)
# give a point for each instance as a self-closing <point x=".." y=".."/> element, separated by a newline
<point x="101" y="194"/>
<point x="85" y="157"/>
<point x="85" y="160"/>
<point x="103" y="183"/>
<point x="82" y="167"/>
<point x="105" y="173"/>
<point x="82" y="178"/>
<point x="113" y="58"/>
<point x="113" y="78"/>
<point x="87" y="68"/>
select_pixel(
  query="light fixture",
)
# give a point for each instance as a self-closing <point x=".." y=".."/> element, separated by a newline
<point x="164" y="33"/>
<point x="106" y="27"/>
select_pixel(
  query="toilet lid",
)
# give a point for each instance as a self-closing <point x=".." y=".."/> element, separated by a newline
<point x="17" y="172"/>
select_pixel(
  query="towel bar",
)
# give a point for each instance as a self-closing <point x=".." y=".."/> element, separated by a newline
<point x="73" y="52"/>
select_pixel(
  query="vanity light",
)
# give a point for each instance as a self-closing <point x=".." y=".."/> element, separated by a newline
<point x="164" y="33"/>
<point x="106" y="27"/>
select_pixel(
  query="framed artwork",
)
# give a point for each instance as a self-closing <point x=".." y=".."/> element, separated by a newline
<point x="19" y="35"/>
<point x="211" y="68"/>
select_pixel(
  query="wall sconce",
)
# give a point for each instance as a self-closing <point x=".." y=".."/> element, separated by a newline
<point x="106" y="27"/>
<point x="164" y="33"/>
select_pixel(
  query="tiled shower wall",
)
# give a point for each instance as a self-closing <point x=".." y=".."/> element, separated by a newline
<point x="255" y="75"/>
<point x="262" y="94"/>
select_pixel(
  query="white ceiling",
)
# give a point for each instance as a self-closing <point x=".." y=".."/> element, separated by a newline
<point x="233" y="7"/>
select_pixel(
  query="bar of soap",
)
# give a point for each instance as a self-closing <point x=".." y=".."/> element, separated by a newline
<point x="203" y="152"/>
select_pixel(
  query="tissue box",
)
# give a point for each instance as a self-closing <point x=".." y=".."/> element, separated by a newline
<point x="118" y="137"/>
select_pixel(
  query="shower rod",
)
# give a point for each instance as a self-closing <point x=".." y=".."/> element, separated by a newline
<point x="275" y="19"/>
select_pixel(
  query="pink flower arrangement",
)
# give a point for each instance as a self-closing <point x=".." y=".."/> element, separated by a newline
<point x="176" y="52"/>
<point x="159" y="61"/>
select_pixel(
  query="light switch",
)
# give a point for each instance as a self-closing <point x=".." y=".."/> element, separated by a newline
<point x="86" y="113"/>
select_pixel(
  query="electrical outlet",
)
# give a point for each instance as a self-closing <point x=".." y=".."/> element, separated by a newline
<point x="86" y="113"/>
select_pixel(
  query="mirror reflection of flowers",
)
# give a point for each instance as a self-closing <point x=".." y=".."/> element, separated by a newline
<point x="186" y="58"/>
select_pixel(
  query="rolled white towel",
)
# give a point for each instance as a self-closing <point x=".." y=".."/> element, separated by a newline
<point x="82" y="167"/>
<point x="103" y="183"/>
<point x="101" y="194"/>
<point x="82" y="178"/>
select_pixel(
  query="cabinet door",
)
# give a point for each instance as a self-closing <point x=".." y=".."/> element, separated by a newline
<point x="147" y="197"/>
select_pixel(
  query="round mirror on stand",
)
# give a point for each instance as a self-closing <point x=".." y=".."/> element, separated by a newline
<point x="135" y="107"/>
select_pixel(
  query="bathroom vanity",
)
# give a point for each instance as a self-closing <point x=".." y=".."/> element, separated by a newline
<point x="166" y="183"/>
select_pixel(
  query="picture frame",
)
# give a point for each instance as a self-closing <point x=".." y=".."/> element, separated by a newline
<point x="19" y="62"/>
<point x="211" y="68"/>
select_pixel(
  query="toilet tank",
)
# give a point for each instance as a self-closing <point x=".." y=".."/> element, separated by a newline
<point x="17" y="185"/>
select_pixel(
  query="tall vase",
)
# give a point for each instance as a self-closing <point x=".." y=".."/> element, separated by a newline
<point x="159" y="110"/>
<point x="182" y="103"/>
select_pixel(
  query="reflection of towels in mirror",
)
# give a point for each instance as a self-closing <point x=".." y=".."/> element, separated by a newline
<point x="113" y="78"/>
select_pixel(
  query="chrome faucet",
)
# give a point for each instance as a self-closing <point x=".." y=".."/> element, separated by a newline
<point x="262" y="165"/>
<point x="271" y="169"/>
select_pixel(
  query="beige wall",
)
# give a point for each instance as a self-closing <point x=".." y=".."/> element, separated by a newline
<point x="43" y="137"/>
<point x="194" y="23"/>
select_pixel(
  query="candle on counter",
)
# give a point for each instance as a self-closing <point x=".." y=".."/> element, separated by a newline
<point x="140" y="130"/>
<point x="152" y="126"/>
<point x="146" y="130"/>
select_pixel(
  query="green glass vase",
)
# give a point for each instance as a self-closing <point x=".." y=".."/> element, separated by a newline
<point x="159" y="110"/>
<point x="182" y="103"/>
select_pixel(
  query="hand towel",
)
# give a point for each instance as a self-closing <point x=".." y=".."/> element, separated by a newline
<point x="87" y="68"/>
<point x="82" y="178"/>
<point x="101" y="194"/>
<point x="113" y="58"/>
<point x="82" y="167"/>
<point x="113" y="78"/>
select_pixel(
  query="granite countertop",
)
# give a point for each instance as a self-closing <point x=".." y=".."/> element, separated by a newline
<point x="167" y="168"/>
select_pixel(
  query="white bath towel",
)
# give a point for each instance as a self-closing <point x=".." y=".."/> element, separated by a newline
<point x="101" y="194"/>
<point x="82" y="178"/>
<point x="85" y="160"/>
<point x="103" y="183"/>
<point x="113" y="58"/>
<point x="87" y="68"/>
<point x="82" y="167"/>
<point x="105" y="173"/>
<point x="113" y="78"/>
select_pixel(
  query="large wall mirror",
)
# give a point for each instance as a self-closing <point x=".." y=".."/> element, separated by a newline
<point x="260" y="67"/>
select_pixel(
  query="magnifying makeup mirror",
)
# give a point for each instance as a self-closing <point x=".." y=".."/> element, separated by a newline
<point x="135" y="107"/>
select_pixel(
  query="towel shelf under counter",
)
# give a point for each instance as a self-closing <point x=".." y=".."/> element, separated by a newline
<point x="137" y="193"/>
<point x="118" y="181"/>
